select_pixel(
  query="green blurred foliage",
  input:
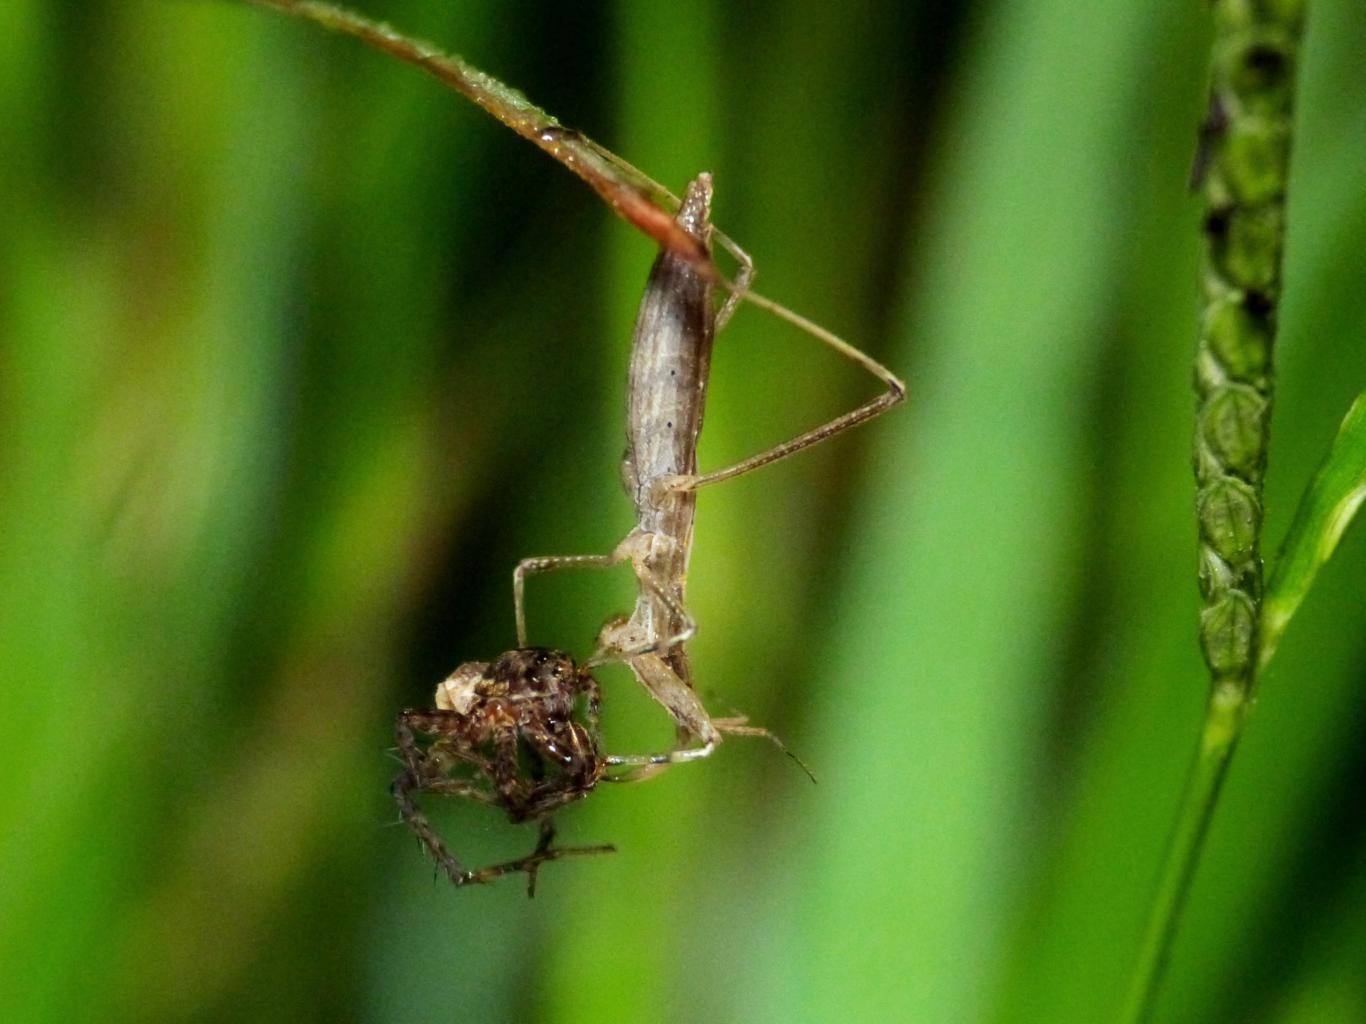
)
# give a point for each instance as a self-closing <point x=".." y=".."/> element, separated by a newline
<point x="301" y="353"/>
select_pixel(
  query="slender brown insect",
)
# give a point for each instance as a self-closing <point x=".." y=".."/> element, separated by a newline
<point x="667" y="385"/>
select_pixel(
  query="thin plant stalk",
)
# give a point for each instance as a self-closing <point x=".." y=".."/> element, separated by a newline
<point x="633" y="195"/>
<point x="1242" y="168"/>
<point x="1219" y="735"/>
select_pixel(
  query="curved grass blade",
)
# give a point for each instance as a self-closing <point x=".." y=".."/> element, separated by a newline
<point x="635" y="196"/>
<point x="1327" y="508"/>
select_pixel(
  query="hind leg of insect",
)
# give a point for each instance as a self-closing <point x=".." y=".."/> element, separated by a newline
<point x="693" y="721"/>
<point x="686" y="708"/>
<point x="894" y="395"/>
<point x="680" y="700"/>
<point x="739" y="726"/>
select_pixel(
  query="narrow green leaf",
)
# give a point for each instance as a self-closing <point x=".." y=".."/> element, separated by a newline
<point x="1328" y="506"/>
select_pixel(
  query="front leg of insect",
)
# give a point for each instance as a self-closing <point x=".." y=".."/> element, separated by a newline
<point x="504" y="733"/>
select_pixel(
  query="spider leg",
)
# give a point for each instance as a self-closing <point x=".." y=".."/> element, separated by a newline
<point x="531" y="863"/>
<point x="432" y="722"/>
<point x="402" y="789"/>
<point x="408" y="749"/>
<point x="416" y="778"/>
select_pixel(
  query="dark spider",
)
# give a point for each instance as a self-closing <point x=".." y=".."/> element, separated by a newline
<point x="504" y="733"/>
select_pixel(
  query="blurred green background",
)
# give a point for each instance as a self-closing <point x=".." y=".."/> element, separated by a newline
<point x="302" y="352"/>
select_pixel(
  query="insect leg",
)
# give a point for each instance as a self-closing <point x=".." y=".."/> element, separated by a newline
<point x="645" y="765"/>
<point x="548" y="563"/>
<point x="895" y="393"/>
<point x="611" y="651"/>
<point x="738" y="288"/>
<point x="740" y="727"/>
<point x="684" y="707"/>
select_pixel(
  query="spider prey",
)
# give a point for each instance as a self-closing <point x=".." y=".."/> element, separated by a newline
<point x="506" y="733"/>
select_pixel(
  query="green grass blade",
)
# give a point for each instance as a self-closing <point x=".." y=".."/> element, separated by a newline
<point x="943" y="643"/>
<point x="1329" y="505"/>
